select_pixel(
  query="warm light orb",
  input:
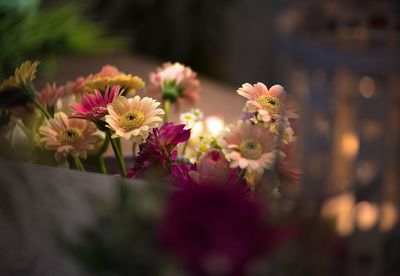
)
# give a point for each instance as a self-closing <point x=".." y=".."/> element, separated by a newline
<point x="389" y="216"/>
<point x="340" y="208"/>
<point x="214" y="125"/>
<point x="366" y="215"/>
<point x="197" y="130"/>
<point x="349" y="144"/>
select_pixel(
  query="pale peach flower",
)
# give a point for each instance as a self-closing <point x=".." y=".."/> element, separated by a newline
<point x="133" y="118"/>
<point x="69" y="136"/>
<point x="269" y="104"/>
<point x="49" y="95"/>
<point x="250" y="146"/>
<point x="76" y="86"/>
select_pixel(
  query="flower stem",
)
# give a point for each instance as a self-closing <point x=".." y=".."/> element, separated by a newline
<point x="167" y="108"/>
<point x="42" y="109"/>
<point x="118" y="155"/>
<point x="78" y="164"/>
<point x="101" y="164"/>
<point x="184" y="148"/>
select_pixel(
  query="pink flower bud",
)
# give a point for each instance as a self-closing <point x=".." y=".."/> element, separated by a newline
<point x="213" y="168"/>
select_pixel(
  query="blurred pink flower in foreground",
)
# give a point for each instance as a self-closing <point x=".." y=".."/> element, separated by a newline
<point x="216" y="231"/>
<point x="212" y="168"/>
<point x="175" y="82"/>
<point x="94" y="106"/>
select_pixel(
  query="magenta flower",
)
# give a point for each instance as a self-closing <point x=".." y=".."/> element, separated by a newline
<point x="216" y="231"/>
<point x="160" y="148"/>
<point x="94" y="106"/>
<point x="181" y="175"/>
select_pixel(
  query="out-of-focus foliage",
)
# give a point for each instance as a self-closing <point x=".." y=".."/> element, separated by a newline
<point x="27" y="31"/>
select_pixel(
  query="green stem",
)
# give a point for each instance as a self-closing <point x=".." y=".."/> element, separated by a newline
<point x="118" y="155"/>
<point x="101" y="164"/>
<point x="78" y="164"/>
<point x="167" y="108"/>
<point x="184" y="148"/>
<point x="42" y="109"/>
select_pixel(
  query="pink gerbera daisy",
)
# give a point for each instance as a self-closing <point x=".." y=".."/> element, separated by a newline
<point x="94" y="106"/>
<point x="69" y="136"/>
<point x="267" y="103"/>
<point x="250" y="146"/>
<point x="49" y="96"/>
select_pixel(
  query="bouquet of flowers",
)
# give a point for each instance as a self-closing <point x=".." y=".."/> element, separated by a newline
<point x="211" y="203"/>
<point x="81" y="118"/>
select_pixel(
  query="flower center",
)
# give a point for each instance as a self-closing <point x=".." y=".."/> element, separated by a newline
<point x="71" y="136"/>
<point x="251" y="149"/>
<point x="270" y="103"/>
<point x="131" y="120"/>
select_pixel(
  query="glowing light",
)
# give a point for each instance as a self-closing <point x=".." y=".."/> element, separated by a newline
<point x="367" y="87"/>
<point x="366" y="215"/>
<point x="349" y="144"/>
<point x="197" y="130"/>
<point x="340" y="208"/>
<point x="214" y="125"/>
<point x="389" y="216"/>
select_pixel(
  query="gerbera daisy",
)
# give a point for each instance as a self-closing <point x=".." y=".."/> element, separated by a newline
<point x="24" y="74"/>
<point x="109" y="76"/>
<point x="94" y="106"/>
<point x="175" y="82"/>
<point x="49" y="96"/>
<point x="267" y="103"/>
<point x="68" y="136"/>
<point x="133" y="118"/>
<point x="249" y="146"/>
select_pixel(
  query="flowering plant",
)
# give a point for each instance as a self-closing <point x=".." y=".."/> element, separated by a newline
<point x="81" y="118"/>
<point x="210" y="210"/>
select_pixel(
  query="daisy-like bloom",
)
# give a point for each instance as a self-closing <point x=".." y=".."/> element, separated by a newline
<point x="175" y="82"/>
<point x="94" y="106"/>
<point x="249" y="146"/>
<point x="109" y="76"/>
<point x="68" y="136"/>
<point x="24" y="75"/>
<point x="267" y="103"/>
<point x="191" y="117"/>
<point x="133" y="118"/>
<point x="50" y="95"/>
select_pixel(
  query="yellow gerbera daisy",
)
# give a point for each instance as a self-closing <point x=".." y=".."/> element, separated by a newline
<point x="128" y="82"/>
<point x="23" y="75"/>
